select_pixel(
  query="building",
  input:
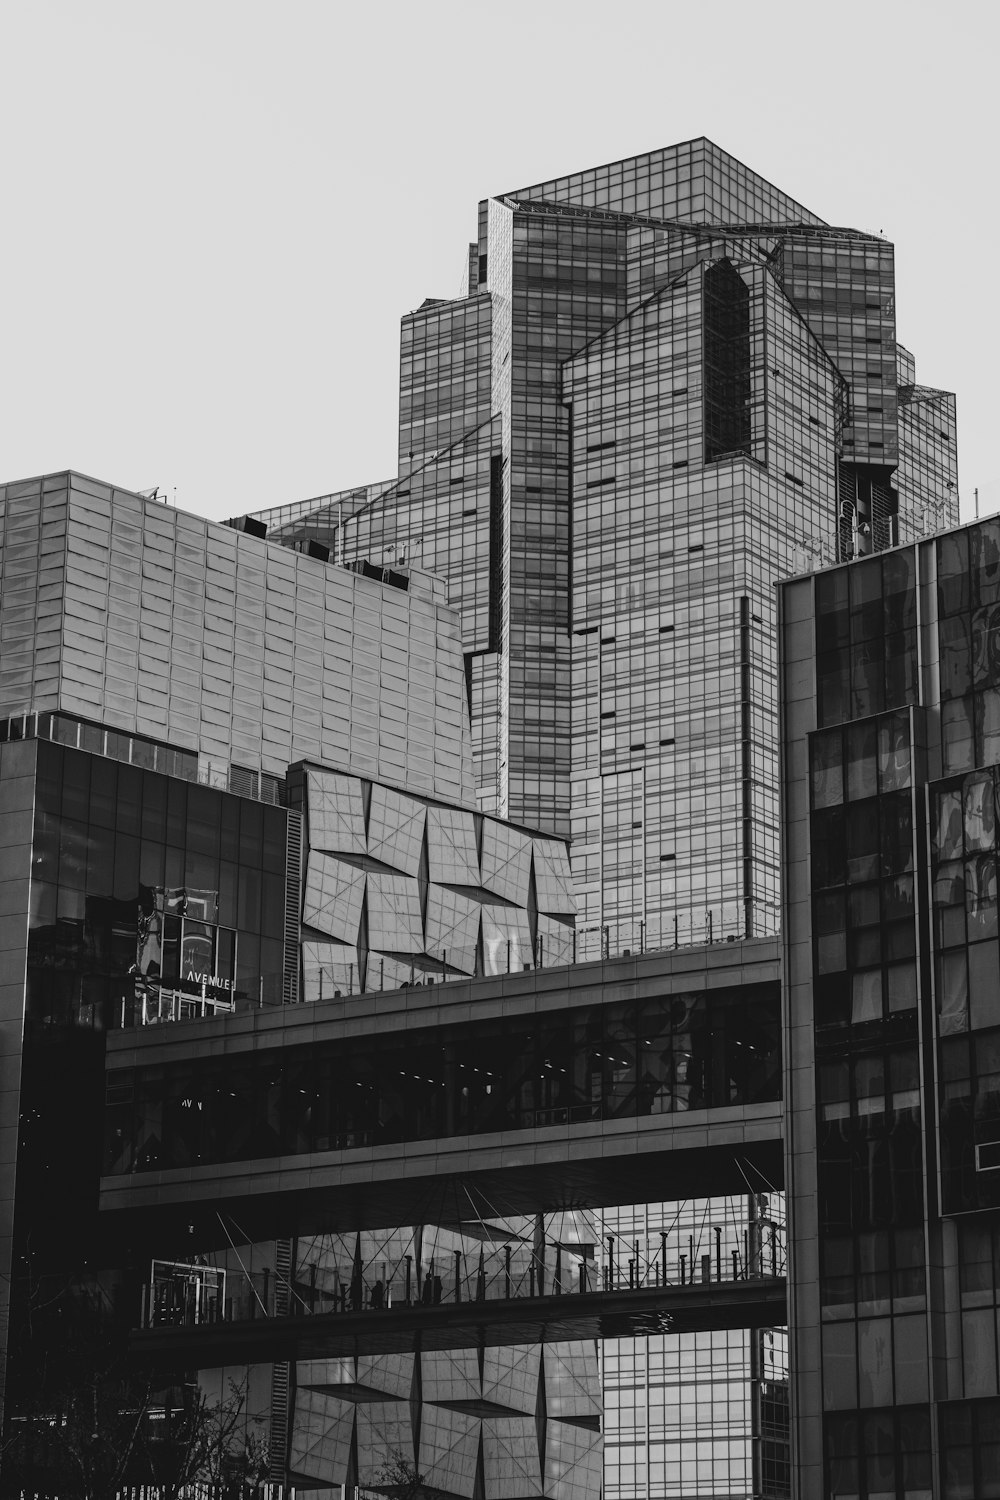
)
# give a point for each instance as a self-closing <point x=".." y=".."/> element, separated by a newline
<point x="891" y="743"/>
<point x="665" y="384"/>
<point x="232" y="777"/>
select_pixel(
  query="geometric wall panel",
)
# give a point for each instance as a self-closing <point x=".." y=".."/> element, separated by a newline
<point x="574" y="1461"/>
<point x="506" y="939"/>
<point x="510" y="1458"/>
<point x="426" y="920"/>
<point x="553" y="888"/>
<point x="392" y="1373"/>
<point x="321" y="1436"/>
<point x="506" y="860"/>
<point x="556" y="942"/>
<point x="452" y="928"/>
<point x="396" y="829"/>
<point x="385" y="1434"/>
<point x="449" y="1447"/>
<point x="395" y="923"/>
<point x="453" y="858"/>
<point x="333" y="896"/>
<point x="328" y="967"/>
<point x="572" y="1387"/>
<point x="336" y="813"/>
<point x="452" y="1375"/>
<point x="510" y="1376"/>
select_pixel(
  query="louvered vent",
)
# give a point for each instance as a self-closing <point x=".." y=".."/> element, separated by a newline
<point x="293" y="908"/>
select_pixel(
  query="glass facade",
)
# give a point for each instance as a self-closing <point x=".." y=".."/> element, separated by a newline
<point x="517" y="1420"/>
<point x="665" y="386"/>
<point x="696" y="1051"/>
<point x="668" y="384"/>
<point x="142" y="883"/>
<point x="152" y="870"/>
<point x="889" y="687"/>
<point x="702" y="1414"/>
<point x="694" y="389"/>
<point x="151" y="899"/>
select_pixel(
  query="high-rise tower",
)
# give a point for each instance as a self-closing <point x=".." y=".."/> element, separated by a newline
<point x="665" y="384"/>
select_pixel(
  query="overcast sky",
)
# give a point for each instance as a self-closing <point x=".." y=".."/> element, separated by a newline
<point x="213" y="214"/>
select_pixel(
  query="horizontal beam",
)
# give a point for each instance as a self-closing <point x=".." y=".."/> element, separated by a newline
<point x="758" y="1302"/>
<point x="665" y="1158"/>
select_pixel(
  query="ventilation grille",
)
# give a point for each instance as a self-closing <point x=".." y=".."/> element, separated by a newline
<point x="259" y="786"/>
<point x="278" y="1445"/>
<point x="293" y="907"/>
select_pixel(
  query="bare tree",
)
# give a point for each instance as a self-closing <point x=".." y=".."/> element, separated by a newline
<point x="398" y="1479"/>
<point x="83" y="1423"/>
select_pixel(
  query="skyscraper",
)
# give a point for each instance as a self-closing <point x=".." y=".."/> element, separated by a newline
<point x="664" y="385"/>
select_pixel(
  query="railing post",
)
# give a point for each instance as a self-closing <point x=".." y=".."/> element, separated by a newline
<point x="663" y="1254"/>
<point x="718" y="1254"/>
<point x="683" y="1270"/>
<point x="611" y="1262"/>
<point x="458" y="1275"/>
<point x="409" y="1275"/>
<point x="506" y="1269"/>
<point x="638" y="1277"/>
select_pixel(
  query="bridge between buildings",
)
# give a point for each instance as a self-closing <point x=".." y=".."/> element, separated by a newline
<point x="652" y="1078"/>
<point x="753" y="1302"/>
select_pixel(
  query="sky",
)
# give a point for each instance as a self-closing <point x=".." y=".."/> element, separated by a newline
<point x="214" y="214"/>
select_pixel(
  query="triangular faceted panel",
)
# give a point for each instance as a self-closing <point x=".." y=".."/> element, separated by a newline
<point x="449" y="1449"/>
<point x="321" y="1436"/>
<point x="336" y="813"/>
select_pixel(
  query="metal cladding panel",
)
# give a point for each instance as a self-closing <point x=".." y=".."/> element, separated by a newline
<point x="162" y="624"/>
<point x="399" y="890"/>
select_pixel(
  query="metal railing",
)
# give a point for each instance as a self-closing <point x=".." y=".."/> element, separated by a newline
<point x="501" y="1274"/>
<point x="155" y="1004"/>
